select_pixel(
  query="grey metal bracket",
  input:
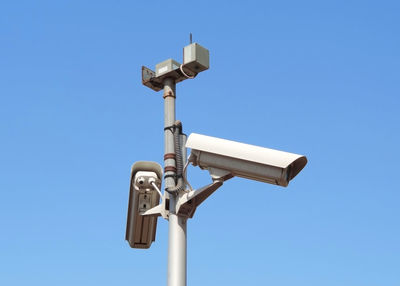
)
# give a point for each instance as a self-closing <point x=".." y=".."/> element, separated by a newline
<point x="159" y="210"/>
<point x="150" y="80"/>
<point x="188" y="202"/>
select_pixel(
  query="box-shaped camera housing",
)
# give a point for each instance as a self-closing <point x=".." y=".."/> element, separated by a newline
<point x="141" y="230"/>
<point x="196" y="58"/>
<point x="166" y="67"/>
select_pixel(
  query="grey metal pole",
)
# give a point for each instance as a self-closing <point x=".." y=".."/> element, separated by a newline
<point x="169" y="120"/>
<point x="177" y="251"/>
<point x="177" y="224"/>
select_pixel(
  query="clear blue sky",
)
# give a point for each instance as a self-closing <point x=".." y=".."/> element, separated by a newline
<point x="319" y="78"/>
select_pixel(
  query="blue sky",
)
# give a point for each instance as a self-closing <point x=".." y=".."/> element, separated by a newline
<point x="319" y="78"/>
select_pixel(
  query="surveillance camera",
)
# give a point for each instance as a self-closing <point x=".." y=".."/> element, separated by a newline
<point x="141" y="230"/>
<point x="244" y="160"/>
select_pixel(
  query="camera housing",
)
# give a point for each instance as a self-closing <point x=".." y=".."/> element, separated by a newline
<point x="141" y="230"/>
<point x="166" y="67"/>
<point x="243" y="160"/>
<point x="195" y="59"/>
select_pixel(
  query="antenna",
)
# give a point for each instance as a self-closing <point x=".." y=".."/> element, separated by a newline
<point x="190" y="38"/>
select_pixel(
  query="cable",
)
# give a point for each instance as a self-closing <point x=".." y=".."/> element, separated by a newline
<point x="179" y="185"/>
<point x="157" y="189"/>
<point x="184" y="176"/>
<point x="188" y="76"/>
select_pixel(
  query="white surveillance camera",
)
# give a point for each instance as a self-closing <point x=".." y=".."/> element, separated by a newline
<point x="244" y="160"/>
<point x="141" y="230"/>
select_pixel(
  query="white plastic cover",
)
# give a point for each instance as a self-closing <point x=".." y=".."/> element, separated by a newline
<point x="247" y="152"/>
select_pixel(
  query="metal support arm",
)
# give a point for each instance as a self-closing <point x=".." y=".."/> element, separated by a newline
<point x="188" y="202"/>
